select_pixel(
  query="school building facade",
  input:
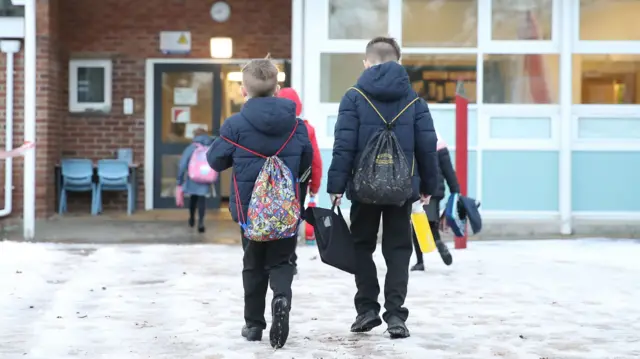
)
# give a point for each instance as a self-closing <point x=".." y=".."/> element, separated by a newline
<point x="554" y="124"/>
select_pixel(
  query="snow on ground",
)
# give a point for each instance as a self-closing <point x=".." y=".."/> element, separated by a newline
<point x="523" y="299"/>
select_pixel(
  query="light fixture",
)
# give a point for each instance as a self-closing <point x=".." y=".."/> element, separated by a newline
<point x="237" y="76"/>
<point x="221" y="47"/>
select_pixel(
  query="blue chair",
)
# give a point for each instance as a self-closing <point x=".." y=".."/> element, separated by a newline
<point x="113" y="175"/>
<point x="77" y="176"/>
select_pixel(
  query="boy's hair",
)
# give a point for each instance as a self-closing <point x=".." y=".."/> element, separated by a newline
<point x="382" y="49"/>
<point x="199" y="132"/>
<point x="260" y="78"/>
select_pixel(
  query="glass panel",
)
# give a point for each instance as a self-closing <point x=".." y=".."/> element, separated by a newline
<point x="606" y="79"/>
<point x="521" y="79"/>
<point x="521" y="20"/>
<point x="439" y="23"/>
<point x="8" y="9"/>
<point x="169" y="172"/>
<point x="520" y="128"/>
<point x="187" y="104"/>
<point x="609" y="128"/>
<point x="357" y="19"/>
<point x="338" y="72"/>
<point x="434" y="77"/>
<point x="90" y="84"/>
<point x="609" y="20"/>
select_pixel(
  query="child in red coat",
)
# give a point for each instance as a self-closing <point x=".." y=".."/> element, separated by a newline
<point x="316" y="164"/>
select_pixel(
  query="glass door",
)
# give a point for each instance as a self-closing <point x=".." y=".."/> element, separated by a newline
<point x="186" y="97"/>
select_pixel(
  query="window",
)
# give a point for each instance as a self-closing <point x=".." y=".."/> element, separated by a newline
<point x="338" y="72"/>
<point x="357" y="19"/>
<point x="521" y="20"/>
<point x="609" y="20"/>
<point x="90" y="85"/>
<point x="606" y="79"/>
<point x="438" y="23"/>
<point x="435" y="77"/>
<point x="8" y="9"/>
<point x="521" y="79"/>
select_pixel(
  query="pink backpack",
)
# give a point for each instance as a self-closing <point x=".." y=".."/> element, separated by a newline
<point x="199" y="169"/>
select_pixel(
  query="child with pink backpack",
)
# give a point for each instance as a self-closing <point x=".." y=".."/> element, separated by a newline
<point x="196" y="177"/>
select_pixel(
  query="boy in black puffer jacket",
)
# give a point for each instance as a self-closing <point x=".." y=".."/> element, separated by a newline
<point x="446" y="172"/>
<point x="266" y="126"/>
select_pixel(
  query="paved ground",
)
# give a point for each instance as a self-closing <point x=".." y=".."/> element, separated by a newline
<point x="525" y="299"/>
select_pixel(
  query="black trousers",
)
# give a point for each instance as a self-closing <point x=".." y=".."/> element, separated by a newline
<point x="199" y="202"/>
<point x="436" y="237"/>
<point x="264" y="263"/>
<point x="396" y="249"/>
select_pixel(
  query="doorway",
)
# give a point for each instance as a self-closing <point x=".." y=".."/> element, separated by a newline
<point x="186" y="97"/>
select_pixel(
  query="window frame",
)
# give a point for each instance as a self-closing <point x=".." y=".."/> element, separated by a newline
<point x="79" y="107"/>
<point x="485" y="34"/>
<point x="597" y="47"/>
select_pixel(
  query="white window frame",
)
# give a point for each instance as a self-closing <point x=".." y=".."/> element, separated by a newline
<point x="586" y="47"/>
<point x="79" y="107"/>
<point x="591" y="47"/>
<point x="488" y="112"/>
<point x="603" y="111"/>
<point x="485" y="29"/>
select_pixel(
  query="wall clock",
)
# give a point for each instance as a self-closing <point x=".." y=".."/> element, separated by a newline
<point x="220" y="11"/>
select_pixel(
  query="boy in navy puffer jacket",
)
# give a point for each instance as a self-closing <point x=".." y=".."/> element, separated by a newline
<point x="263" y="126"/>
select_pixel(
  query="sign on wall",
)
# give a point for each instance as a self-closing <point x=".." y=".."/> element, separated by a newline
<point x="175" y="42"/>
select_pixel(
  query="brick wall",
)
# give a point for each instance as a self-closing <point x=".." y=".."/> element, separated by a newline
<point x="127" y="32"/>
<point x="48" y="111"/>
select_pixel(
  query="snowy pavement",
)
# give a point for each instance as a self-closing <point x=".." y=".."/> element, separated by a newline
<point x="524" y="299"/>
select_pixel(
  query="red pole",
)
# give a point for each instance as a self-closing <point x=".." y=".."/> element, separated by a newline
<point x="462" y="149"/>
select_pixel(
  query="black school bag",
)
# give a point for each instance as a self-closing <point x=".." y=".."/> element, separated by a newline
<point x="382" y="175"/>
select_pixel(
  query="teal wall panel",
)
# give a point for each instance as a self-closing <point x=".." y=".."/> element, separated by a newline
<point x="520" y="180"/>
<point x="605" y="181"/>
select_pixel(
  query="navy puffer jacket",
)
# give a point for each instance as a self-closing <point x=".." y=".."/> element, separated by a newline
<point x="263" y="125"/>
<point x="387" y="86"/>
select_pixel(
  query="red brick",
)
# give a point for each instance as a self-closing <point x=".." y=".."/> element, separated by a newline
<point x="126" y="31"/>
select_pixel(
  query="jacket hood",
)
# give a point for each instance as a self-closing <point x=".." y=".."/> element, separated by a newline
<point x="204" y="140"/>
<point x="292" y="95"/>
<point x="270" y="115"/>
<point x="385" y="82"/>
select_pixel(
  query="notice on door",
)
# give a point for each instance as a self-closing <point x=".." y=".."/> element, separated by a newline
<point x="192" y="127"/>
<point x="185" y="96"/>
<point x="180" y="114"/>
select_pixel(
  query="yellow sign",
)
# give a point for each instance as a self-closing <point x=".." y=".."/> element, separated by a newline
<point x="183" y="40"/>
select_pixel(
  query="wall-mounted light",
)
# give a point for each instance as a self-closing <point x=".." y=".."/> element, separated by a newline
<point x="237" y="76"/>
<point x="221" y="47"/>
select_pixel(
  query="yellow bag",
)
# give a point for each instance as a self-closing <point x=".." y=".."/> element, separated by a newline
<point x="423" y="231"/>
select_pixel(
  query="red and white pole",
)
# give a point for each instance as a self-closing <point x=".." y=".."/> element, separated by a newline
<point x="462" y="149"/>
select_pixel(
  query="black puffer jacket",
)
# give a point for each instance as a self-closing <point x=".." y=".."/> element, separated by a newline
<point x="446" y="172"/>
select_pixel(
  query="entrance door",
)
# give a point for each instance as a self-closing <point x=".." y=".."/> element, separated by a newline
<point x="186" y="97"/>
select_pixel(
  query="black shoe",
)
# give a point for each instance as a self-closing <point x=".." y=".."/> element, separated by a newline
<point x="192" y="222"/>
<point x="280" y="322"/>
<point x="397" y="329"/>
<point x="444" y="252"/>
<point x="200" y="229"/>
<point x="419" y="266"/>
<point x="366" y="322"/>
<point x="252" y="334"/>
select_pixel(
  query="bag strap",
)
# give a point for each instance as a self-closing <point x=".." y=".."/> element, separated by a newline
<point x="413" y="163"/>
<point x="295" y="128"/>
<point x="378" y="112"/>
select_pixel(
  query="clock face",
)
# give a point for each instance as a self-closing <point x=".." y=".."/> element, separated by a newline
<point x="220" y="11"/>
